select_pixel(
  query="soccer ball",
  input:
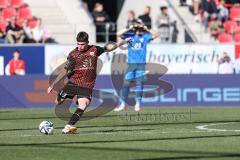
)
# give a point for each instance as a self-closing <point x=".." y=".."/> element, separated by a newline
<point x="46" y="127"/>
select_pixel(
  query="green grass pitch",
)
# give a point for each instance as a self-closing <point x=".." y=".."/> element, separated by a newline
<point x="155" y="133"/>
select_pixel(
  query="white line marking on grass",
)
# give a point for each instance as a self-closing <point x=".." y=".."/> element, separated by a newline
<point x="32" y="135"/>
<point x="205" y="127"/>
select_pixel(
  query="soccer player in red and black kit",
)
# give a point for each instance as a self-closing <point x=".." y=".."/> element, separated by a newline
<point x="81" y="68"/>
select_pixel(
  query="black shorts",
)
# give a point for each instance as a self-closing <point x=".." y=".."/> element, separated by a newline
<point x="70" y="90"/>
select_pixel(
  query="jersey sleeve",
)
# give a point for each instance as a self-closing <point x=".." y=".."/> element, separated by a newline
<point x="70" y="61"/>
<point x="148" y="37"/>
<point x="71" y="54"/>
<point x="127" y="35"/>
<point x="100" y="50"/>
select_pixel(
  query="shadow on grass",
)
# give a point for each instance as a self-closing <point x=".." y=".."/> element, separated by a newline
<point x="136" y="124"/>
<point x="125" y="140"/>
<point x="194" y="154"/>
<point x="224" y="155"/>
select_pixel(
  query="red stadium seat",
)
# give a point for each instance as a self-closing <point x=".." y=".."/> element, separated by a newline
<point x="24" y="13"/>
<point x="3" y="26"/>
<point x="237" y="51"/>
<point x="8" y="13"/>
<point x="228" y="5"/>
<point x="32" y="23"/>
<point x="19" y="22"/>
<point x="235" y="13"/>
<point x="230" y="26"/>
<point x="225" y="38"/>
<point x="237" y="30"/>
<point x="16" y="3"/>
<point x="3" y="3"/>
<point x="237" y="38"/>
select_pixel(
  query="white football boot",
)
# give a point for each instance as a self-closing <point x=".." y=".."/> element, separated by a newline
<point x="137" y="107"/>
<point x="68" y="129"/>
<point x="120" y="108"/>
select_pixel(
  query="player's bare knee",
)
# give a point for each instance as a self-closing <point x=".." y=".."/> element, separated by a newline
<point x="83" y="103"/>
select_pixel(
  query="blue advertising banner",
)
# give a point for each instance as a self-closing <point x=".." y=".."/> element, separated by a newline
<point x="188" y="90"/>
<point x="33" y="56"/>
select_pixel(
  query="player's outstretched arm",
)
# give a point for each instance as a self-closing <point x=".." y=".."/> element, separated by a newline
<point x="112" y="46"/>
<point x="123" y="31"/>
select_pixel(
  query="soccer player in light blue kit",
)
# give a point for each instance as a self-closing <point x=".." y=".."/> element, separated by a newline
<point x="137" y="50"/>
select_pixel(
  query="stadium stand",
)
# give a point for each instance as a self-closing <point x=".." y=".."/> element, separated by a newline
<point x="3" y="3"/>
<point x="63" y="19"/>
<point x="235" y="13"/>
<point x="230" y="26"/>
<point x="24" y="13"/>
<point x="155" y="6"/>
<point x="228" y="14"/>
<point x="225" y="38"/>
<point x="16" y="3"/>
<point x="237" y="38"/>
<point x="194" y="26"/>
<point x="8" y="13"/>
<point x="17" y="10"/>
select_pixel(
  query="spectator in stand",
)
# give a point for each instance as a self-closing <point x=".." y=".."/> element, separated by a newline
<point x="145" y="18"/>
<point x="208" y="7"/>
<point x="163" y="24"/>
<point x="100" y="18"/>
<point x="215" y="26"/>
<point x="131" y="18"/>
<point x="28" y="36"/>
<point x="225" y="64"/>
<point x="16" y="65"/>
<point x="182" y="2"/>
<point x="38" y="32"/>
<point x="223" y="12"/>
<point x="15" y="34"/>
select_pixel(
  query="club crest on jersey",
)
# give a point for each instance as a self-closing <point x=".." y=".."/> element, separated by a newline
<point x="91" y="53"/>
<point x="141" y="39"/>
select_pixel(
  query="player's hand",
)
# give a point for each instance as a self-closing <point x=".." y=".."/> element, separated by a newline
<point x="136" y="26"/>
<point x="131" y="27"/>
<point x="141" y="26"/>
<point x="128" y="40"/>
<point x="145" y="28"/>
<point x="49" y="89"/>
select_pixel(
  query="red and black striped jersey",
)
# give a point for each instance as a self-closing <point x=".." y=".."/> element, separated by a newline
<point x="85" y="66"/>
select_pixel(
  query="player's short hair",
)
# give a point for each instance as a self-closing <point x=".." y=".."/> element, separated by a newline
<point x="82" y="37"/>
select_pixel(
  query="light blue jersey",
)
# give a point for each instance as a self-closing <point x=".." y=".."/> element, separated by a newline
<point x="137" y="48"/>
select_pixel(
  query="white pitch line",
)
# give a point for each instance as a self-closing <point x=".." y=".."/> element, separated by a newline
<point x="205" y="128"/>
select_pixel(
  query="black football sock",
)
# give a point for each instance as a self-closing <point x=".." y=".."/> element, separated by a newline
<point x="76" y="116"/>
